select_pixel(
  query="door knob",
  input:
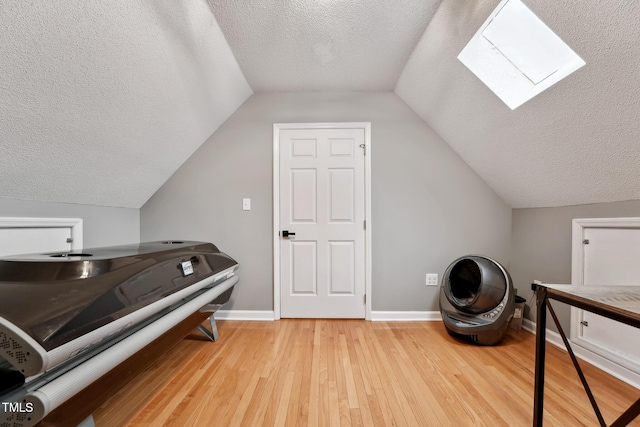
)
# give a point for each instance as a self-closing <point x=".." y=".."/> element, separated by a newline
<point x="287" y="233"/>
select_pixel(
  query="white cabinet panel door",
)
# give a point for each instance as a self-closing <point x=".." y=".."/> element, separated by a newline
<point x="322" y="201"/>
<point x="612" y="258"/>
<point x="24" y="240"/>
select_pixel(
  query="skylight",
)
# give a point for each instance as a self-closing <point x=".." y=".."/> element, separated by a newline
<point x="516" y="55"/>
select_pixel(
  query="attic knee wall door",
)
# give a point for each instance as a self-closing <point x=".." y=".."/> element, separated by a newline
<point x="39" y="235"/>
<point x="610" y="257"/>
<point x="322" y="201"/>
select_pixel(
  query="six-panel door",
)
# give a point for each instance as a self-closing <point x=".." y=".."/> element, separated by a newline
<point x="322" y="201"/>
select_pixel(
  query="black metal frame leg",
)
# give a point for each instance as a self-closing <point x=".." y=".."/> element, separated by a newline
<point x="541" y="321"/>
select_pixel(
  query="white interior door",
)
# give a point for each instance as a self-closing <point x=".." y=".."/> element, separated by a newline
<point x="611" y="258"/>
<point x="322" y="201"/>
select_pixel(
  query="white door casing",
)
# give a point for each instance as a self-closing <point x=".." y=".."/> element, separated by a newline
<point x="606" y="252"/>
<point x="321" y="194"/>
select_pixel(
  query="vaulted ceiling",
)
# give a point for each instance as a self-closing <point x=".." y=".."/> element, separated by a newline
<point x="325" y="45"/>
<point x="100" y="102"/>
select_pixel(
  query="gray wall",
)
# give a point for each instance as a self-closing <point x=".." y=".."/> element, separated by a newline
<point x="102" y="226"/>
<point x="428" y="206"/>
<point x="541" y="247"/>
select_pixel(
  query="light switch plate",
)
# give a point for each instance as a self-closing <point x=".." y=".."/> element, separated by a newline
<point x="246" y="204"/>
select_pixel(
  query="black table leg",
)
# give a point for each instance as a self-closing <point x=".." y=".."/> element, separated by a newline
<point x="541" y="322"/>
<point x="628" y="416"/>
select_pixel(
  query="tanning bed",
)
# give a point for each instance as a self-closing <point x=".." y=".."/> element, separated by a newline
<point x="66" y="319"/>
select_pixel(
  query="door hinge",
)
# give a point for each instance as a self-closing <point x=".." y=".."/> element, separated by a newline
<point x="364" y="223"/>
<point x="584" y="323"/>
<point x="585" y="242"/>
<point x="364" y="148"/>
<point x="365" y="299"/>
<point x="69" y="240"/>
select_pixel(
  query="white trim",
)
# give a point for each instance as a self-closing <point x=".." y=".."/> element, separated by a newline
<point x="613" y="369"/>
<point x="74" y="223"/>
<point x="606" y="365"/>
<point x="376" y="316"/>
<point x="552" y="336"/>
<point x="277" y="127"/>
<point x="405" y="316"/>
<point x="262" y="315"/>
<point x="612" y="356"/>
<point x="276" y="221"/>
<point x="530" y="326"/>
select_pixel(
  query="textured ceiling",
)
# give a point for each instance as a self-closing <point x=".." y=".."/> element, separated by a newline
<point x="578" y="142"/>
<point x="100" y="102"/>
<point x="323" y="45"/>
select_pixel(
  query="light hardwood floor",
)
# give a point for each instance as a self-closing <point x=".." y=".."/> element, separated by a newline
<point x="356" y="373"/>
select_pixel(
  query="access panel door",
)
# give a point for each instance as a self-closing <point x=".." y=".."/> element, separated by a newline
<point x="612" y="258"/>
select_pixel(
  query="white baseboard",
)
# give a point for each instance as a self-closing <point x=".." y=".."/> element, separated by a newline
<point x="262" y="315"/>
<point x="405" y="316"/>
<point x="552" y="336"/>
<point x="612" y="368"/>
<point x="376" y="316"/>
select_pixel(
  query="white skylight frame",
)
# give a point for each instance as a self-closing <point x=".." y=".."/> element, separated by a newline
<point x="517" y="55"/>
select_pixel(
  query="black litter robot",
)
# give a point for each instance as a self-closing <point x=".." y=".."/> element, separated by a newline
<point x="477" y="300"/>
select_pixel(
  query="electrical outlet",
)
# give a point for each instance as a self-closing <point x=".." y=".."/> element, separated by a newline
<point x="432" y="279"/>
